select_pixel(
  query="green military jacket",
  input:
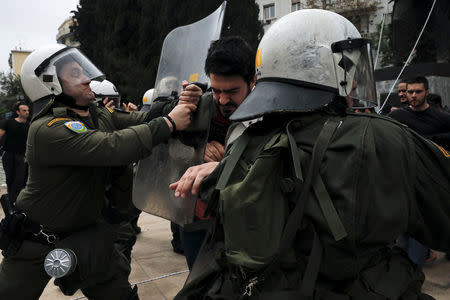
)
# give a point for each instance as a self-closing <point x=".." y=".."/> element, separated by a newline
<point x="378" y="180"/>
<point x="69" y="156"/>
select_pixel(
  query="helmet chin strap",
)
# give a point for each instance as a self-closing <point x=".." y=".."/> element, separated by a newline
<point x="70" y="102"/>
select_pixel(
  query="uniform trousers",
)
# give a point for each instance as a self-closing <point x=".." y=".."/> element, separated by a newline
<point x="22" y="276"/>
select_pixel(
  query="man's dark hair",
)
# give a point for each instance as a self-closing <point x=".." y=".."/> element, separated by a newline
<point x="418" y="79"/>
<point x="17" y="105"/>
<point x="231" y="56"/>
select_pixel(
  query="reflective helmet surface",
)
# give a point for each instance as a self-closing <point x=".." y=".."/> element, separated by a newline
<point x="39" y="71"/>
<point x="167" y="87"/>
<point x="104" y="88"/>
<point x="304" y="60"/>
<point x="93" y="85"/>
<point x="148" y="97"/>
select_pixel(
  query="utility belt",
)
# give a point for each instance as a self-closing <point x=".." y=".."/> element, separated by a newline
<point x="91" y="250"/>
<point x="16" y="227"/>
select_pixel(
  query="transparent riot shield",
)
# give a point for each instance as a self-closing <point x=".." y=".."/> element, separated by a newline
<point x="182" y="58"/>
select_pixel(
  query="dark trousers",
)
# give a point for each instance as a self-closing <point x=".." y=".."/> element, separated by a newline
<point x="16" y="172"/>
<point x="192" y="242"/>
<point x="417" y="252"/>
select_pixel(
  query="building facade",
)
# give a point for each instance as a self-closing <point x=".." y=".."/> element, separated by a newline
<point x="366" y="15"/>
<point x="65" y="35"/>
<point x="16" y="59"/>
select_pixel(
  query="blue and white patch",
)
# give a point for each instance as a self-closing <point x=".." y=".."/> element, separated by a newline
<point x="76" y="126"/>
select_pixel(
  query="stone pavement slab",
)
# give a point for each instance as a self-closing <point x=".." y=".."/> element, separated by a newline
<point x="437" y="281"/>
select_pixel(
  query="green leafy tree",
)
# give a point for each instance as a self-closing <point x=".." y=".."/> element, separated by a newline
<point x="386" y="54"/>
<point x="124" y="37"/>
<point x="10" y="84"/>
<point x="10" y="91"/>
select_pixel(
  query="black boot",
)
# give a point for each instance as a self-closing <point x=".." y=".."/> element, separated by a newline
<point x="176" y="240"/>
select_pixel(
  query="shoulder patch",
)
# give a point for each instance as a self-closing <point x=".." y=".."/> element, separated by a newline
<point x="109" y="109"/>
<point x="445" y="152"/>
<point x="56" y="120"/>
<point x="76" y="126"/>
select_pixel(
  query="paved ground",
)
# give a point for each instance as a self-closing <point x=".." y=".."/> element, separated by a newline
<point x="160" y="273"/>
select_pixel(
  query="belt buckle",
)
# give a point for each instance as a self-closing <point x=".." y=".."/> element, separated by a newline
<point x="50" y="238"/>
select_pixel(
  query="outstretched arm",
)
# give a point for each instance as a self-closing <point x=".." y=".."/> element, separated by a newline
<point x="192" y="178"/>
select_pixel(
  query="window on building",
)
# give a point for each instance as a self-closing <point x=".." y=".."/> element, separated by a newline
<point x="269" y="11"/>
<point x="295" y="5"/>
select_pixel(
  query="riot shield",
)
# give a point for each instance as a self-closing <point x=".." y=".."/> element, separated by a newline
<point x="182" y="58"/>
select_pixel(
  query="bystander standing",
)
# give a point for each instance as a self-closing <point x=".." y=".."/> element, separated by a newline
<point x="432" y="123"/>
<point x="15" y="131"/>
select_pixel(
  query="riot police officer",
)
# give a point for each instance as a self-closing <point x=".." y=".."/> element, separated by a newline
<point x="303" y="200"/>
<point x="71" y="144"/>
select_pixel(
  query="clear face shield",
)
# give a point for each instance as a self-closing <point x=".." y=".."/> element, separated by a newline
<point x="69" y="66"/>
<point x="354" y="69"/>
<point x="168" y="87"/>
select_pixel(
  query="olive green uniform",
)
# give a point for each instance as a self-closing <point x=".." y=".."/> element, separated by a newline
<point x="377" y="180"/>
<point x="66" y="186"/>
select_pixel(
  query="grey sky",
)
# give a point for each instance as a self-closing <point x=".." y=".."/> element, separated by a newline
<point x="30" y="24"/>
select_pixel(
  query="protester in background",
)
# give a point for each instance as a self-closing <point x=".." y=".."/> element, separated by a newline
<point x="15" y="132"/>
<point x="422" y="117"/>
<point x="432" y="123"/>
<point x="401" y="87"/>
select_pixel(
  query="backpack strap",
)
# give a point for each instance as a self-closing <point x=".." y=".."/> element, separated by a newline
<point x="328" y="209"/>
<point x="235" y="153"/>
<point x="295" y="153"/>
<point x="302" y="192"/>
<point x="320" y="191"/>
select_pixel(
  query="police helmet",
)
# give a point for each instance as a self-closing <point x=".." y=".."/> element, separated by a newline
<point x="304" y="61"/>
<point x="39" y="74"/>
<point x="105" y="89"/>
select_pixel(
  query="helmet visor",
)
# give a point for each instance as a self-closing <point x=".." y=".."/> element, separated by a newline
<point x="356" y="59"/>
<point x="61" y="60"/>
<point x="74" y="57"/>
